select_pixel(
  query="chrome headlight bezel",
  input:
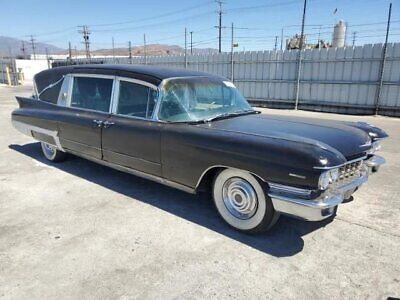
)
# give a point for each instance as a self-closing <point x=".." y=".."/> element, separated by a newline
<point x="327" y="178"/>
<point x="376" y="146"/>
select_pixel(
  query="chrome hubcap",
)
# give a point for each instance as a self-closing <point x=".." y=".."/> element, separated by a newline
<point x="49" y="149"/>
<point x="240" y="198"/>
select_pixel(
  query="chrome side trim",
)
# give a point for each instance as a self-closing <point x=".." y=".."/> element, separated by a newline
<point x="297" y="176"/>
<point x="280" y="188"/>
<point x="137" y="173"/>
<point x="341" y="165"/>
<point x="27" y="130"/>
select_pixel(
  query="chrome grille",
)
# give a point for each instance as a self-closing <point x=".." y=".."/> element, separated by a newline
<point x="349" y="172"/>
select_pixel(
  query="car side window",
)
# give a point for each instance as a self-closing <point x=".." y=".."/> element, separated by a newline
<point x="136" y="100"/>
<point x="92" y="93"/>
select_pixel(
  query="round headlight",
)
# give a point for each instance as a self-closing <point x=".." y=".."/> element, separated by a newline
<point x="324" y="180"/>
<point x="328" y="177"/>
<point x="376" y="146"/>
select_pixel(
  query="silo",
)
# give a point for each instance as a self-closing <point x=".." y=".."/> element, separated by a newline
<point x="339" y="35"/>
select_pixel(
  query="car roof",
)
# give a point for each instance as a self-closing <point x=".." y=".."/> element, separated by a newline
<point x="146" y="73"/>
<point x="157" y="72"/>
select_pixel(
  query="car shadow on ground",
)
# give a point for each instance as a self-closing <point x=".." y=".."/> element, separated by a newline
<point x="284" y="239"/>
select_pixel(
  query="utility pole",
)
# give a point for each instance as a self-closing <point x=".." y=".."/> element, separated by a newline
<point x="113" y="49"/>
<point x="23" y="49"/>
<point x="130" y="51"/>
<point x="85" y="33"/>
<point x="296" y="105"/>
<point x="69" y="52"/>
<point x="33" y="47"/>
<point x="185" y="48"/>
<point x="282" y="39"/>
<point x="47" y="57"/>
<point x="319" y="33"/>
<point x="276" y="43"/>
<point x="219" y="25"/>
<point x="191" y="42"/>
<point x="354" y="37"/>
<point x="302" y="25"/>
<point x="144" y="49"/>
<point x="383" y="62"/>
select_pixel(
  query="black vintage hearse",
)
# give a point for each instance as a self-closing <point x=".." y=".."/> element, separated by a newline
<point x="194" y="131"/>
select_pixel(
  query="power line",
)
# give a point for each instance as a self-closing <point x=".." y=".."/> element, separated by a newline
<point x="156" y="24"/>
<point x="154" y="17"/>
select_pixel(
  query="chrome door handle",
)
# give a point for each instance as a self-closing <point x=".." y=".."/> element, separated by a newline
<point x="107" y="124"/>
<point x="98" y="123"/>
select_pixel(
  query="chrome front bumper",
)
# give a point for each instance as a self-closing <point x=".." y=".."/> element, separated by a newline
<point x="325" y="205"/>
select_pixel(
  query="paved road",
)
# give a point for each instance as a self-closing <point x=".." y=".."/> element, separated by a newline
<point x="80" y="230"/>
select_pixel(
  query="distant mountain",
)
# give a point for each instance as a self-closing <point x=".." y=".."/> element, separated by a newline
<point x="12" y="47"/>
<point x="152" y="49"/>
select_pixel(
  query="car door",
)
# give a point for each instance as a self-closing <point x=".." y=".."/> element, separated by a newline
<point x="82" y="118"/>
<point x="131" y="137"/>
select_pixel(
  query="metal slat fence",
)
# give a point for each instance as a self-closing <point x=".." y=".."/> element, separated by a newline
<point x="341" y="80"/>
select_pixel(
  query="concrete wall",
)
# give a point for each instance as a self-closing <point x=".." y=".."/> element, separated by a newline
<point x="30" y="67"/>
<point x="343" y="80"/>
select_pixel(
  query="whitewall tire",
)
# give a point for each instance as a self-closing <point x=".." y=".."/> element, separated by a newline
<point x="52" y="153"/>
<point x="242" y="202"/>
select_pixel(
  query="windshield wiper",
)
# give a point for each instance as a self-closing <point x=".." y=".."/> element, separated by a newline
<point x="228" y="115"/>
<point x="217" y="117"/>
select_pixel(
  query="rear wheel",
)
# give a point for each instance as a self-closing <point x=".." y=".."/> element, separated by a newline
<point x="52" y="153"/>
<point x="241" y="201"/>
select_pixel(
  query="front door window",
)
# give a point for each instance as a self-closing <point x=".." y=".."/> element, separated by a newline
<point x="136" y="100"/>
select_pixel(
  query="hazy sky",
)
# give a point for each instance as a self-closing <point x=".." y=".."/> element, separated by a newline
<point x="257" y="21"/>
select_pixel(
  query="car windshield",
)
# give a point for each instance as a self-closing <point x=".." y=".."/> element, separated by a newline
<point x="193" y="99"/>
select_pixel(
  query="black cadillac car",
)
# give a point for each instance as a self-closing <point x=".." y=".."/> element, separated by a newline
<point x="195" y="132"/>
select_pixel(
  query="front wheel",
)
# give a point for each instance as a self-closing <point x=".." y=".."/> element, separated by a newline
<point x="241" y="201"/>
<point x="52" y="153"/>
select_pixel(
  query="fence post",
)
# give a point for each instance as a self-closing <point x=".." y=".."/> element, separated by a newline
<point x="297" y="87"/>
<point x="186" y="61"/>
<point x="383" y="62"/>
<point x="232" y="66"/>
<point x="8" y="75"/>
<point x="296" y="105"/>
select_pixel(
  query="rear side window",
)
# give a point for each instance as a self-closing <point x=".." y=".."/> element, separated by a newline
<point x="50" y="94"/>
<point x="136" y="100"/>
<point x="92" y="93"/>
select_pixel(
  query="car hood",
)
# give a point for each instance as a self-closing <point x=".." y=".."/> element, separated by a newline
<point x="344" y="137"/>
